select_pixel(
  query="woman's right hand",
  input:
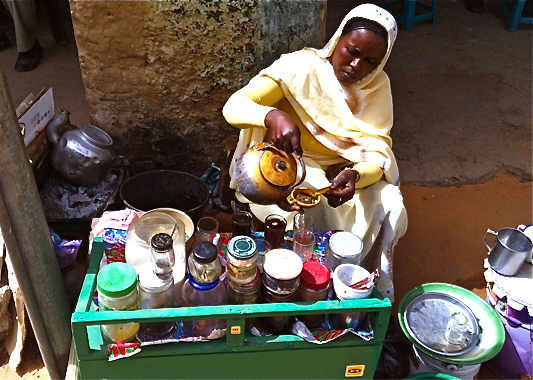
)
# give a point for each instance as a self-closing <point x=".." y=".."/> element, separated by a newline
<point x="284" y="132"/>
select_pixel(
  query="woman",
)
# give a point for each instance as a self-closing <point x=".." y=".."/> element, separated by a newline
<point x="333" y="106"/>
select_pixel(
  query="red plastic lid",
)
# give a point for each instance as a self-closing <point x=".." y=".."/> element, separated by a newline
<point x="314" y="275"/>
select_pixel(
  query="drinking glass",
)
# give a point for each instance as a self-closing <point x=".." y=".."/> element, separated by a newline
<point x="242" y="223"/>
<point x="304" y="244"/>
<point x="207" y="229"/>
<point x="303" y="221"/>
<point x="275" y="230"/>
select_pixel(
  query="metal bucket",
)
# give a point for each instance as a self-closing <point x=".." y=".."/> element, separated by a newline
<point x="165" y="189"/>
<point x="509" y="252"/>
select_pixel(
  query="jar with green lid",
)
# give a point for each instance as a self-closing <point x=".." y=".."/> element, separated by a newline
<point x="241" y="266"/>
<point x="117" y="290"/>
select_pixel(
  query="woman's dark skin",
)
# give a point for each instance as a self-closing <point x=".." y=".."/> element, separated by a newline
<point x="357" y="54"/>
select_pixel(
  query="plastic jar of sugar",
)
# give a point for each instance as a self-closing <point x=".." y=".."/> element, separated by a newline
<point x="117" y="290"/>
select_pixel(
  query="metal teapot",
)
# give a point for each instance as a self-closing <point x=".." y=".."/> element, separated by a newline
<point x="82" y="155"/>
<point x="265" y="174"/>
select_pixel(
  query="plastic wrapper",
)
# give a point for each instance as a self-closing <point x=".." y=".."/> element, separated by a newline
<point x="114" y="245"/>
<point x="66" y="250"/>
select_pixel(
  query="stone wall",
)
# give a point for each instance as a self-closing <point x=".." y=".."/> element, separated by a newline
<point x="157" y="73"/>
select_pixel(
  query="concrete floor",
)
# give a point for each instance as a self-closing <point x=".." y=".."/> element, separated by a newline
<point x="462" y="136"/>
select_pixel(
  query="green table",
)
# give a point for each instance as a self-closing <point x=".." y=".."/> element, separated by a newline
<point x="240" y="354"/>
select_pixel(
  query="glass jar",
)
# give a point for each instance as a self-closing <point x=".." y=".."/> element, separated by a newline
<point x="162" y="254"/>
<point x="241" y="266"/>
<point x="204" y="265"/>
<point x="117" y="290"/>
<point x="343" y="248"/>
<point x="281" y="271"/>
<point x="240" y="294"/>
<point x="280" y="323"/>
<point x="197" y="294"/>
<point x="314" y="286"/>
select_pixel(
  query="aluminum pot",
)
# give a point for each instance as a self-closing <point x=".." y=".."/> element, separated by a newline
<point x="509" y="252"/>
<point x="82" y="155"/>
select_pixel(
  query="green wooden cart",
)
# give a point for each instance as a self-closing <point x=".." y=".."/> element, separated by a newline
<point x="240" y="354"/>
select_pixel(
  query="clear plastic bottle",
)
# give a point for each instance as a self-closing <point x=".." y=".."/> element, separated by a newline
<point x="198" y="294"/>
<point x="117" y="290"/>
<point x="156" y="288"/>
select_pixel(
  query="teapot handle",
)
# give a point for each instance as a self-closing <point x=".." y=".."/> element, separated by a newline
<point x="304" y="172"/>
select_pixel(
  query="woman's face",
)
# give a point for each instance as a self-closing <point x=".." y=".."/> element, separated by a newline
<point x="357" y="54"/>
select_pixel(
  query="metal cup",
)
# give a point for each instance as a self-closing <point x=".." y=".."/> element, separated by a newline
<point x="509" y="251"/>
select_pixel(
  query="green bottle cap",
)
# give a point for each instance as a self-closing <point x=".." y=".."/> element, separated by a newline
<point x="117" y="279"/>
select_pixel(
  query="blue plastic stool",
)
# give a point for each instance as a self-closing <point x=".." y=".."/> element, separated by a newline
<point x="512" y="11"/>
<point x="409" y="16"/>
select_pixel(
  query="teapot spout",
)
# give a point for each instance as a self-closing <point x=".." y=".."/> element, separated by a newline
<point x="60" y="119"/>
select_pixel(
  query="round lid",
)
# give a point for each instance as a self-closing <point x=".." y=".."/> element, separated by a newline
<point x="242" y="247"/>
<point x="162" y="241"/>
<point x="116" y="279"/>
<point x="345" y="244"/>
<point x="282" y="264"/>
<point x="205" y="251"/>
<point x="277" y="167"/>
<point x="491" y="331"/>
<point x="314" y="275"/>
<point x="441" y="323"/>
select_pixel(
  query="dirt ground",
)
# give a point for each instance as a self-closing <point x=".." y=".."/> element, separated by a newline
<point x="462" y="137"/>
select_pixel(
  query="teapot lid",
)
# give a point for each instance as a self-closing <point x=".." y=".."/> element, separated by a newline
<point x="277" y="167"/>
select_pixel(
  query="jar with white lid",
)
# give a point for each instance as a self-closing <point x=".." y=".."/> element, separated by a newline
<point x="343" y="248"/>
<point x="241" y="266"/>
<point x="117" y="290"/>
<point x="281" y="271"/>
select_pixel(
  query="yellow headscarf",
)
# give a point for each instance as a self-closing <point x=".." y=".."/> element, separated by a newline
<point x="309" y="84"/>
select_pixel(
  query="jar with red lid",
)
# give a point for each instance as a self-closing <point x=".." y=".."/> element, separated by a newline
<point x="314" y="286"/>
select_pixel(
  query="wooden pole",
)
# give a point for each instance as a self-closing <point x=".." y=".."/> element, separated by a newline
<point x="29" y="245"/>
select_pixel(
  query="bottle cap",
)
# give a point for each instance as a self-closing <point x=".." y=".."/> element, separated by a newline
<point x="205" y="251"/>
<point x="117" y="279"/>
<point x="315" y="275"/>
<point x="242" y="247"/>
<point x="162" y="242"/>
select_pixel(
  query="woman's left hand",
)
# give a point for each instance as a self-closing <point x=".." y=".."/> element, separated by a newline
<point x="342" y="188"/>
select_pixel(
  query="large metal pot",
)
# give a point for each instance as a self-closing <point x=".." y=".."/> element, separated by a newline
<point x="265" y="174"/>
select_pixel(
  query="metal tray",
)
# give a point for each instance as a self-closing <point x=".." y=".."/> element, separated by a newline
<point x="427" y="318"/>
